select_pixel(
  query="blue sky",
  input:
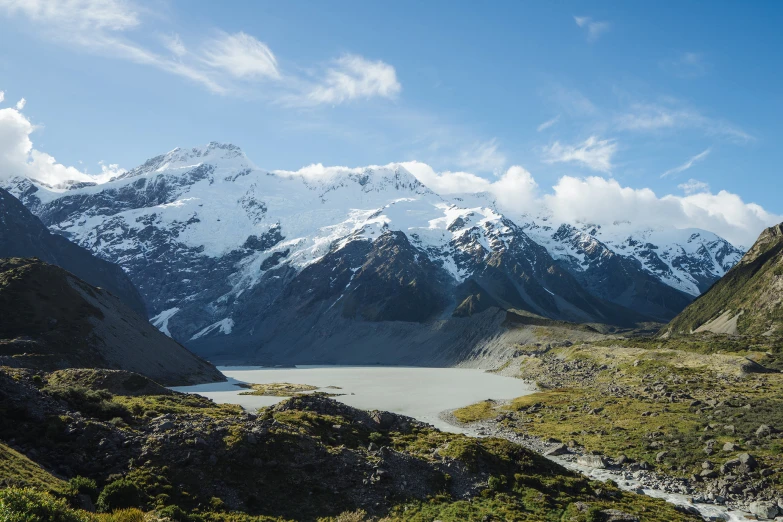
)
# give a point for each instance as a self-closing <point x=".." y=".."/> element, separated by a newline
<point x="681" y="98"/>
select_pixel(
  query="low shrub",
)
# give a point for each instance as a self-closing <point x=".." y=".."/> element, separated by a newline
<point x="120" y="494"/>
<point x="83" y="486"/>
<point x="29" y="505"/>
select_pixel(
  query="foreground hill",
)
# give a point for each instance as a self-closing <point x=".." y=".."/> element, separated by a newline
<point x="23" y="235"/>
<point x="748" y="299"/>
<point x="51" y="320"/>
<point x="232" y="258"/>
<point x="308" y="458"/>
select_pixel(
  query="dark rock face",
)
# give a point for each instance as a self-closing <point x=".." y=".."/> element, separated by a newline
<point x="23" y="235"/>
<point x="622" y="280"/>
<point x="52" y="320"/>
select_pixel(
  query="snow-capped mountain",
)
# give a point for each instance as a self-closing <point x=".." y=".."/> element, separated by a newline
<point x="226" y="254"/>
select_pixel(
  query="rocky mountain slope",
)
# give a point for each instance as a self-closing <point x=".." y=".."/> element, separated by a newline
<point x="23" y="235"/>
<point x="748" y="299"/>
<point x="313" y="263"/>
<point x="51" y="320"/>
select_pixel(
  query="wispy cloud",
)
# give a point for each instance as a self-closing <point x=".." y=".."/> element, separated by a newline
<point x="594" y="153"/>
<point x="482" y="156"/>
<point x="352" y="77"/>
<point x="544" y="126"/>
<point x="241" y="56"/>
<point x="686" y="65"/>
<point x="20" y="104"/>
<point x="2" y="96"/>
<point x="694" y="186"/>
<point x="222" y="63"/>
<point x="594" y="28"/>
<point x="174" y="44"/>
<point x="570" y="101"/>
<point x="688" y="164"/>
<point x="650" y="117"/>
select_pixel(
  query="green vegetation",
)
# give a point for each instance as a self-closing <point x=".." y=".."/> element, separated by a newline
<point x="153" y="405"/>
<point x="29" y="505"/>
<point x="308" y="458"/>
<point x="278" y="389"/>
<point x="83" y="486"/>
<point x="120" y="494"/>
<point x="18" y="470"/>
<point x="93" y="403"/>
<point x="641" y="397"/>
<point x="476" y="412"/>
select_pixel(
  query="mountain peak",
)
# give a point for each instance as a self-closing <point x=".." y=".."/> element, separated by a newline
<point x="221" y="154"/>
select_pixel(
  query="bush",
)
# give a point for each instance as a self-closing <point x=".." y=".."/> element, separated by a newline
<point x="120" y="494"/>
<point x="124" y="515"/>
<point x="83" y="486"/>
<point x="29" y="505"/>
<point x="92" y="403"/>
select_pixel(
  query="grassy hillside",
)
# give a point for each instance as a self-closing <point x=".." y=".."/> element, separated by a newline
<point x="748" y="299"/>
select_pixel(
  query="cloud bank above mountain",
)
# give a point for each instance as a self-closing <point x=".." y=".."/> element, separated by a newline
<point x="592" y="199"/>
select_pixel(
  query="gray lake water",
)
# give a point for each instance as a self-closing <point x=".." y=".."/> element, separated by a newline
<point x="421" y="393"/>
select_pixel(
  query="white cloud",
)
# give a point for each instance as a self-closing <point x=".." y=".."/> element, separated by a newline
<point x="595" y="154"/>
<point x="98" y="27"/>
<point x="114" y="15"/>
<point x="19" y="158"/>
<point x="483" y="156"/>
<point x="688" y="164"/>
<point x="174" y="44"/>
<point x="223" y="64"/>
<point x="515" y="188"/>
<point x="694" y="186"/>
<point x="241" y="55"/>
<point x="354" y="77"/>
<point x="594" y="28"/>
<point x="649" y="117"/>
<point x="604" y="201"/>
<point x="544" y="126"/>
<point x="20" y="104"/>
<point x="2" y="96"/>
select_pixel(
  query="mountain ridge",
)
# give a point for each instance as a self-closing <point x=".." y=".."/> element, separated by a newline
<point x="209" y="211"/>
<point x="747" y="300"/>
<point x="54" y="320"/>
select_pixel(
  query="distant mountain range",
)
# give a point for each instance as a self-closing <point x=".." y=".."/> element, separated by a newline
<point x="747" y="300"/>
<point x="358" y="265"/>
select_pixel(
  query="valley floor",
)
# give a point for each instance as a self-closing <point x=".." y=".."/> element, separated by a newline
<point x="696" y="416"/>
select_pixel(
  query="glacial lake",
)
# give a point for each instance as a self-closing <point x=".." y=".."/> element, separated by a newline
<point x="421" y="393"/>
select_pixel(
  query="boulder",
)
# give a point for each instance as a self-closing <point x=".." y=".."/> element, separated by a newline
<point x="560" y="449"/>
<point x="764" y="510"/>
<point x="748" y="460"/>
<point x="661" y="456"/>
<point x="730" y="446"/>
<point x="763" y="431"/>
<point x="593" y="461"/>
